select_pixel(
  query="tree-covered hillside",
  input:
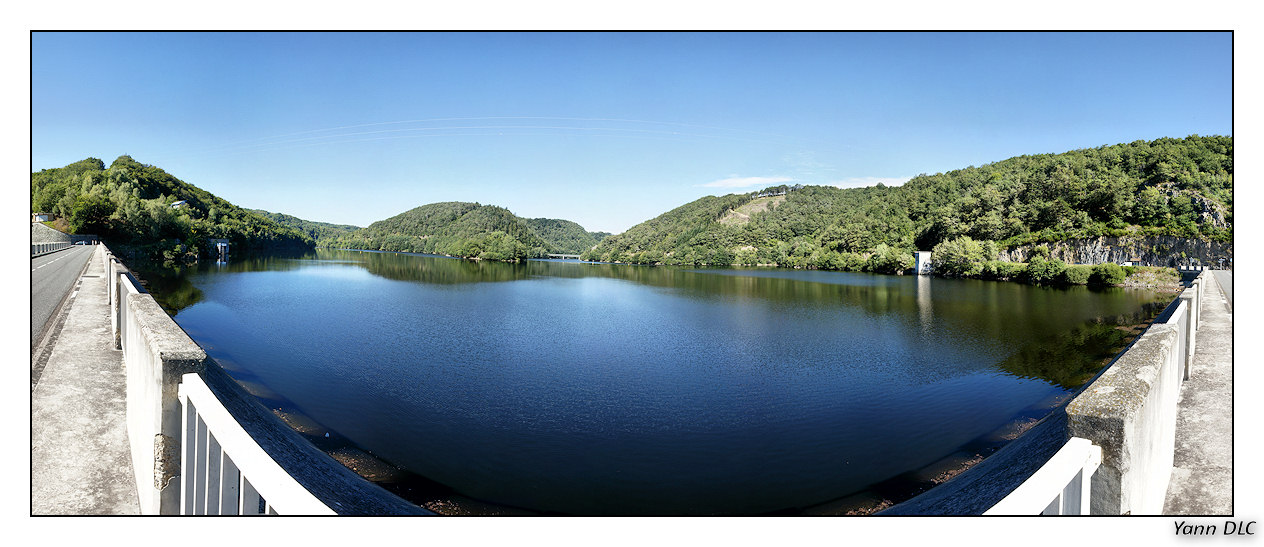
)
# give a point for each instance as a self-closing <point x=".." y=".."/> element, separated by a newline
<point x="564" y="236"/>
<point x="320" y="232"/>
<point x="470" y="230"/>
<point x="453" y="228"/>
<point x="1178" y="187"/>
<point x="138" y="207"/>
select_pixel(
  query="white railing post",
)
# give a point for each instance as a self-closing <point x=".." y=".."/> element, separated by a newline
<point x="250" y="498"/>
<point x="1060" y="487"/>
<point x="229" y="487"/>
<point x="187" y="487"/>
<point x="221" y="458"/>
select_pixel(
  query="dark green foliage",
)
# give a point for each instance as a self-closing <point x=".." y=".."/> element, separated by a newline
<point x="1109" y="190"/>
<point x="91" y="213"/>
<point x="889" y="260"/>
<point x="961" y="257"/>
<point x="811" y="227"/>
<point x="1107" y="273"/>
<point x="999" y="270"/>
<point x="1076" y="274"/>
<point x="1041" y="271"/>
<point x="564" y="236"/>
<point x="320" y="232"/>
<point x="131" y="205"/>
<point x="469" y="230"/>
<point x="1160" y="187"/>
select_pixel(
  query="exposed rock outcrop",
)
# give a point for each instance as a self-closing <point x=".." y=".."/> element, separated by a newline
<point x="1149" y="251"/>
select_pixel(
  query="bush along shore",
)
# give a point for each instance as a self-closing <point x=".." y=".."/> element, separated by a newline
<point x="965" y="258"/>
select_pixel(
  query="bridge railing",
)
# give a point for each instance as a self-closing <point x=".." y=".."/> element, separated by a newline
<point x="1130" y="409"/>
<point x="1122" y="429"/>
<point x="1061" y="487"/>
<point x="45" y="248"/>
<point x="220" y="459"/>
<point x="200" y="444"/>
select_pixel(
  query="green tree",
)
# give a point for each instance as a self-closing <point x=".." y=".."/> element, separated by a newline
<point x="1151" y="208"/>
<point x="91" y="213"/>
<point x="1041" y="271"/>
<point x="961" y="257"/>
<point x="1107" y="273"/>
<point x="887" y="259"/>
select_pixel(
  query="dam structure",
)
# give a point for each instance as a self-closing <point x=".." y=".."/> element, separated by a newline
<point x="130" y="416"/>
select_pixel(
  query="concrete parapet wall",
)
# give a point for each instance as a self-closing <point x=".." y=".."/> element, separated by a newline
<point x="156" y="353"/>
<point x="1130" y="412"/>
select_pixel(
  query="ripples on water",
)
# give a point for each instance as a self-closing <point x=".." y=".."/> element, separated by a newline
<point x="609" y="389"/>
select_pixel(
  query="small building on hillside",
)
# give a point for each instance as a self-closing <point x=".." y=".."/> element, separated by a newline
<point x="179" y="204"/>
<point x="41" y="217"/>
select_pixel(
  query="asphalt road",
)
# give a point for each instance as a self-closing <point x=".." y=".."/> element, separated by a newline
<point x="52" y="278"/>
<point x="1225" y="279"/>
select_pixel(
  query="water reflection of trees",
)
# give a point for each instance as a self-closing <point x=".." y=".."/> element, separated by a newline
<point x="990" y="309"/>
<point x="1071" y="358"/>
<point x="431" y="269"/>
<point x="1068" y="334"/>
<point x="169" y="285"/>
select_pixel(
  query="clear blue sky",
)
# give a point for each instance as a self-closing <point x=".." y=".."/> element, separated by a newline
<point x="607" y="130"/>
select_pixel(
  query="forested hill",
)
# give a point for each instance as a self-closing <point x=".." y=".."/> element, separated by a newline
<point x="320" y="232"/>
<point x="1176" y="187"/>
<point x="469" y="230"/>
<point x="138" y="207"/>
<point x="564" y="236"/>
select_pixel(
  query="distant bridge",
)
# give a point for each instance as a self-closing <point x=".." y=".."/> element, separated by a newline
<point x="563" y="257"/>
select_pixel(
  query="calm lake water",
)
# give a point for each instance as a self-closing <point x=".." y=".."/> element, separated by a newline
<point x="610" y="389"/>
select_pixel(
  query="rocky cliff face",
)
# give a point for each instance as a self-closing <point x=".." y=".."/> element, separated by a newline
<point x="1149" y="251"/>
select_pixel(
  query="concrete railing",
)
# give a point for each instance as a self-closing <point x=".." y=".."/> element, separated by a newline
<point x="1127" y="415"/>
<point x="1129" y="410"/>
<point x="1061" y="487"/>
<point x="156" y="354"/>
<point x="38" y="249"/>
<point x="46" y="240"/>
<point x="171" y="383"/>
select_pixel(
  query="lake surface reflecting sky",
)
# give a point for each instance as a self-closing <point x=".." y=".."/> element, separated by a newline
<point x="612" y="389"/>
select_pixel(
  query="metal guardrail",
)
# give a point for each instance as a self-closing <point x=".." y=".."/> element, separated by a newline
<point x="225" y="470"/>
<point x="1060" y="487"/>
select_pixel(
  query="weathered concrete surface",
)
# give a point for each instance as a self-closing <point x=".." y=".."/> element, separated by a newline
<point x="1202" y="475"/>
<point x="80" y="461"/>
<point x="1130" y="412"/>
<point x="157" y="352"/>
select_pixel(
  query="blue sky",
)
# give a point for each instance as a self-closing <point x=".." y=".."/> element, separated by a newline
<point x="607" y="130"/>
